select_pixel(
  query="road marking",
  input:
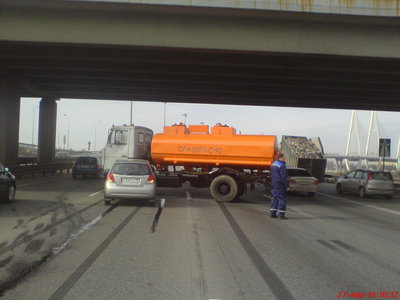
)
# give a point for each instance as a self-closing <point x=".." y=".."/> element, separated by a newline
<point x="45" y="229"/>
<point x="188" y="197"/>
<point x="77" y="274"/>
<point x="35" y="183"/>
<point x="366" y="205"/>
<point x="74" y="236"/>
<point x="94" y="194"/>
<point x="275" y="284"/>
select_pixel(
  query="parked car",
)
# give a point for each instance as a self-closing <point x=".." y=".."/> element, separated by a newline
<point x="366" y="182"/>
<point x="87" y="165"/>
<point x="300" y="180"/>
<point x="130" y="179"/>
<point x="8" y="185"/>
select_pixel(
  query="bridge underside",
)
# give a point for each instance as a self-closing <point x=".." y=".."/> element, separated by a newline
<point x="202" y="76"/>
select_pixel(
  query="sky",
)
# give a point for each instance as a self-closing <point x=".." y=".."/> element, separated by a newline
<point x="90" y="118"/>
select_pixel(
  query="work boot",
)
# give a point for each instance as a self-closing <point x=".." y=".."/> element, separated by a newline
<point x="282" y="217"/>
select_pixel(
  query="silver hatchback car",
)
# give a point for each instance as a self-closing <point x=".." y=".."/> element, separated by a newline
<point x="366" y="182"/>
<point x="130" y="179"/>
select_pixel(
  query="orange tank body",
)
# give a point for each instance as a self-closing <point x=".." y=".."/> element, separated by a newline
<point x="196" y="146"/>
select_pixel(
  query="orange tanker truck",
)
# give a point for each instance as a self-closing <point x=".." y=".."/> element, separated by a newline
<point x="219" y="158"/>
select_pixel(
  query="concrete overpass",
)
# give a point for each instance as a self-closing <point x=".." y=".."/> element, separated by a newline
<point x="306" y="55"/>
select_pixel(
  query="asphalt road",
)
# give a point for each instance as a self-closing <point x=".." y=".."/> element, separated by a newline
<point x="330" y="247"/>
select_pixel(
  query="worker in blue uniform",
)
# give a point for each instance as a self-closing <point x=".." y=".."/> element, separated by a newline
<point x="280" y="185"/>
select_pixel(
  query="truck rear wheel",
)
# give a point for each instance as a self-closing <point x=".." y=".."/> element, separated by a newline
<point x="224" y="188"/>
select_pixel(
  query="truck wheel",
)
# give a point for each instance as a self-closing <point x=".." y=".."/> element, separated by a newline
<point x="224" y="188"/>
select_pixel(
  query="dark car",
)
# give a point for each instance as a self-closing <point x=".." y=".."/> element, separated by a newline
<point x="87" y="166"/>
<point x="7" y="185"/>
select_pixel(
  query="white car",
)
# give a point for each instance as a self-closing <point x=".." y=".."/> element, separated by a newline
<point x="300" y="180"/>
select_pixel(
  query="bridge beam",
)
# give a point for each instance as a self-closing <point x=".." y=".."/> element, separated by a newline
<point x="47" y="131"/>
<point x="82" y="22"/>
<point x="9" y="121"/>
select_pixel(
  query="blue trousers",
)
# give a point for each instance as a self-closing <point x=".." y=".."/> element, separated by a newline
<point x="278" y="202"/>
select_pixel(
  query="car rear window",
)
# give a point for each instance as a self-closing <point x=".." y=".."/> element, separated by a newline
<point x="381" y="176"/>
<point x="87" y="160"/>
<point x="299" y="173"/>
<point x="131" y="169"/>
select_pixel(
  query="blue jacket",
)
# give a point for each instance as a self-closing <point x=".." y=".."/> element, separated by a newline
<point x="278" y="174"/>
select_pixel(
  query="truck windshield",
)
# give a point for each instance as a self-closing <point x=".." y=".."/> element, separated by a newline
<point x="120" y="137"/>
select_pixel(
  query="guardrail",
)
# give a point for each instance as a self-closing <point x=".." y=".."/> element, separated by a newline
<point x="42" y="169"/>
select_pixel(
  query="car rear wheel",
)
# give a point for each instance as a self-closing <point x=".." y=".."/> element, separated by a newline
<point x="10" y="194"/>
<point x="388" y="197"/>
<point x="339" y="189"/>
<point x="362" y="192"/>
<point x="311" y="194"/>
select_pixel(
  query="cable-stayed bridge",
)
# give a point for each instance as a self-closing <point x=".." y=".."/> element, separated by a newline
<point x="363" y="159"/>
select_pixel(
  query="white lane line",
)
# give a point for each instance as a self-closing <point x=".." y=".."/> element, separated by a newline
<point x="94" y="194"/>
<point x="366" y="205"/>
<point x="35" y="183"/>
<point x="188" y="197"/>
<point x="74" y="236"/>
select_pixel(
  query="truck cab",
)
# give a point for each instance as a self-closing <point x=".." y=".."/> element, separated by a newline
<point x="127" y="141"/>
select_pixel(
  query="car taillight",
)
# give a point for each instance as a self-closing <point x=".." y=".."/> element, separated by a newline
<point x="316" y="182"/>
<point x="110" y="177"/>
<point x="370" y="175"/>
<point x="292" y="181"/>
<point x="96" y="166"/>
<point x="150" y="179"/>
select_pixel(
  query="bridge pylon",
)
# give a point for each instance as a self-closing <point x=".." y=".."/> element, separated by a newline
<point x="373" y="128"/>
<point x="353" y="129"/>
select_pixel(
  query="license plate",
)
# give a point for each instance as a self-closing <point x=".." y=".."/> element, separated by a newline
<point x="130" y="180"/>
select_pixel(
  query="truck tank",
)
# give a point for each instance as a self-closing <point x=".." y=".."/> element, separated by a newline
<point x="197" y="146"/>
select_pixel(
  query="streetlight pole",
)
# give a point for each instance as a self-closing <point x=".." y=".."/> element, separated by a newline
<point x="184" y="118"/>
<point x="33" y="124"/>
<point x="165" y="112"/>
<point x="95" y="131"/>
<point x="65" y="115"/>
<point x="131" y="114"/>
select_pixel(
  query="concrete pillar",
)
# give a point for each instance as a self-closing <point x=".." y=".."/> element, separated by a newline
<point x="9" y="121"/>
<point x="47" y="131"/>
